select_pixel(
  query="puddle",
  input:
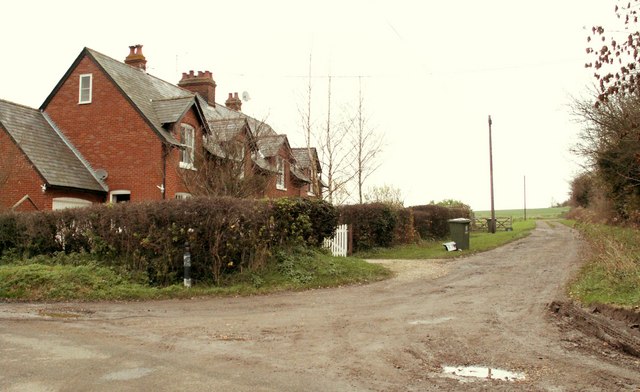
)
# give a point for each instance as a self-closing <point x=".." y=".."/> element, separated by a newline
<point x="127" y="374"/>
<point x="465" y="372"/>
<point x="431" y="322"/>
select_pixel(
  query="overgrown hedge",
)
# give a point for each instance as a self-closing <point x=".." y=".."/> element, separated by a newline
<point x="383" y="225"/>
<point x="430" y="221"/>
<point x="224" y="234"/>
<point x="373" y="224"/>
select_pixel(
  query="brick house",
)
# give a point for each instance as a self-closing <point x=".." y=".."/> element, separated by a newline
<point x="307" y="161"/>
<point x="39" y="168"/>
<point x="110" y="132"/>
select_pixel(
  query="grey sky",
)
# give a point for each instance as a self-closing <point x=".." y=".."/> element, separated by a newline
<point x="431" y="71"/>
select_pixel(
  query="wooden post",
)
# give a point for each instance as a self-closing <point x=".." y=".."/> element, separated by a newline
<point x="492" y="224"/>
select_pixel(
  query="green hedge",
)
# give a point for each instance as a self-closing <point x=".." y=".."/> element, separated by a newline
<point x="373" y="224"/>
<point x="430" y="221"/>
<point x="383" y="225"/>
<point x="224" y="234"/>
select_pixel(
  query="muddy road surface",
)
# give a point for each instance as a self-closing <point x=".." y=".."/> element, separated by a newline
<point x="436" y="326"/>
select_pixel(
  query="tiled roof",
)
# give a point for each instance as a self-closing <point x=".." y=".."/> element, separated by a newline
<point x="298" y="174"/>
<point x="51" y="154"/>
<point x="270" y="145"/>
<point x="260" y="128"/>
<point x="220" y="112"/>
<point x="171" y="110"/>
<point x="302" y="157"/>
<point x="143" y="90"/>
<point x="262" y="163"/>
<point x="225" y="130"/>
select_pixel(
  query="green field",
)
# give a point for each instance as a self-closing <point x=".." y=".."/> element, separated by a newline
<point x="433" y="249"/>
<point x="533" y="213"/>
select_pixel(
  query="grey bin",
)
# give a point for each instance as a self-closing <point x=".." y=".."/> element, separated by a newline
<point x="459" y="229"/>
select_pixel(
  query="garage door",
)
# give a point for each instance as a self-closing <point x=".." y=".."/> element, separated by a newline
<point x="60" y="203"/>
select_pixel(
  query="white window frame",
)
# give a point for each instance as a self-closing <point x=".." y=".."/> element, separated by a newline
<point x="280" y="177"/>
<point x="183" y="195"/>
<point x="188" y="141"/>
<point x="311" y="191"/>
<point x="88" y="89"/>
<point x="112" y="194"/>
<point x="241" y="163"/>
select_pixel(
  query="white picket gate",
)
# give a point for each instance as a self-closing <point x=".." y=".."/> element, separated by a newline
<point x="340" y="241"/>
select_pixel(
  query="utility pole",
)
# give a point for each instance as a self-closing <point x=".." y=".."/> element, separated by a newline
<point x="492" y="224"/>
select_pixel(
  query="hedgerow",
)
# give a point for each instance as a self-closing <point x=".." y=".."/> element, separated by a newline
<point x="224" y="235"/>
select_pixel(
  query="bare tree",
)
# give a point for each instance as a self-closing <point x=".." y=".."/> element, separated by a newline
<point x="386" y="194"/>
<point x="336" y="155"/>
<point x="225" y="168"/>
<point x="367" y="145"/>
<point x="348" y="147"/>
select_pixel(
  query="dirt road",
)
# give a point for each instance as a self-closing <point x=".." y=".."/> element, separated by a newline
<point x="409" y="333"/>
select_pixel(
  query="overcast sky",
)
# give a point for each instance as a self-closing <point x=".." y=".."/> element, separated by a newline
<point x="431" y="73"/>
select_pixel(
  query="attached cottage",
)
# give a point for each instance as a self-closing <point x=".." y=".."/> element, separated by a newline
<point x="110" y="132"/>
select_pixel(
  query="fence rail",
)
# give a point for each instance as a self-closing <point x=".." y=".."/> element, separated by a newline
<point x="502" y="223"/>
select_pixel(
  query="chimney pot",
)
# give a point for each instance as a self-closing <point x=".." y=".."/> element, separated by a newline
<point x="136" y="58"/>
<point x="233" y="102"/>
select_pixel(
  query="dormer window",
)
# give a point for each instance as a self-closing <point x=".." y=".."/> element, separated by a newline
<point x="86" y="82"/>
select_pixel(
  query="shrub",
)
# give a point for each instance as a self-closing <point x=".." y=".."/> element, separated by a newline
<point x="8" y="232"/>
<point x="431" y="221"/>
<point x="404" y="231"/>
<point x="224" y="234"/>
<point x="373" y="224"/>
<point x="302" y="221"/>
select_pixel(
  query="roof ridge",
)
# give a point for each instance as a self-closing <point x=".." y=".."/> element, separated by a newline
<point x="17" y="104"/>
<point x="173" y="98"/>
<point x="135" y="68"/>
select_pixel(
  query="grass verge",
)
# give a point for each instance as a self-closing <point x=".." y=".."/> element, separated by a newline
<point x="611" y="275"/>
<point x="532" y="213"/>
<point x="433" y="249"/>
<point x="40" y="279"/>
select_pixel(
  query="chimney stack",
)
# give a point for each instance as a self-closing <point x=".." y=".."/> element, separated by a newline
<point x="136" y="58"/>
<point x="233" y="102"/>
<point x="202" y="83"/>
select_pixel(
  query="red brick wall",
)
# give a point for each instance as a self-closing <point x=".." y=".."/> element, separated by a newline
<point x="110" y="133"/>
<point x="292" y="188"/>
<point x="19" y="178"/>
<point x="174" y="183"/>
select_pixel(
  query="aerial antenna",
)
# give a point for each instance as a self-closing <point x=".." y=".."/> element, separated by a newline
<point x="102" y="174"/>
